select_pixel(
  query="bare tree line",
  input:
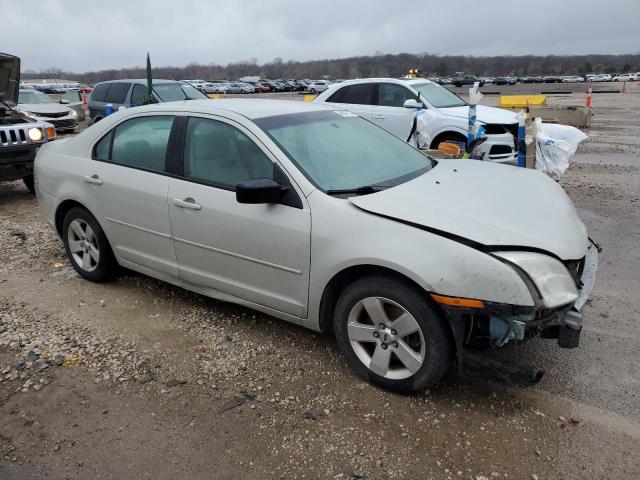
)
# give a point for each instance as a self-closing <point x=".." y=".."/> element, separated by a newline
<point x="378" y="65"/>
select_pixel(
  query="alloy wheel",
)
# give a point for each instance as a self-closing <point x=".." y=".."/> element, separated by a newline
<point x="386" y="338"/>
<point x="83" y="245"/>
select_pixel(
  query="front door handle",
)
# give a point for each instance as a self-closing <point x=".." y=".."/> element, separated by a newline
<point x="188" y="202"/>
<point x="94" y="179"/>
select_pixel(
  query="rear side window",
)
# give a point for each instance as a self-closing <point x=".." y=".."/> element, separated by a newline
<point x="99" y="92"/>
<point x="139" y="143"/>
<point x="117" y="92"/>
<point x="359" y="94"/>
<point x="393" y="95"/>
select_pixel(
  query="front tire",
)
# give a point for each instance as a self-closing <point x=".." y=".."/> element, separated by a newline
<point x="391" y="334"/>
<point x="29" y="183"/>
<point x="87" y="246"/>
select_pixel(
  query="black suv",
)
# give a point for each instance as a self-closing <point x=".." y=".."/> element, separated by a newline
<point x="20" y="137"/>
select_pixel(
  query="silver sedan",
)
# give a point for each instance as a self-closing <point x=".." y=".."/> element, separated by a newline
<point x="319" y="217"/>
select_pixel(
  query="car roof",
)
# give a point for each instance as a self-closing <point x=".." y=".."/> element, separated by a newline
<point x="249" y="108"/>
<point x="140" y="80"/>
<point x="399" y="81"/>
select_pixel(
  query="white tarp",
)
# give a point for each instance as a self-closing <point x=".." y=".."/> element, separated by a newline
<point x="555" y="145"/>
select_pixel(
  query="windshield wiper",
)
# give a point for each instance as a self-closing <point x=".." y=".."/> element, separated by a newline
<point x="8" y="106"/>
<point x="363" y="190"/>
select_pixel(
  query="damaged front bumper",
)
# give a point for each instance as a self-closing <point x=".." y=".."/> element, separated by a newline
<point x="497" y="325"/>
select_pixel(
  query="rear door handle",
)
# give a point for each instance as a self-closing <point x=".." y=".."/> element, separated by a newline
<point x="188" y="202"/>
<point x="94" y="179"/>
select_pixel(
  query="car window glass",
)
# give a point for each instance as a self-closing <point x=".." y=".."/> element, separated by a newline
<point x="101" y="150"/>
<point x="338" y="95"/>
<point x="72" y="96"/>
<point x="220" y="154"/>
<point x="393" y="95"/>
<point x="138" y="95"/>
<point x="360" y="94"/>
<point x="117" y="92"/>
<point x="169" y="92"/>
<point x="99" y="92"/>
<point x="142" y="142"/>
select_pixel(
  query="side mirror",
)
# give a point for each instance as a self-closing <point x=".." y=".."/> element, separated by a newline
<point x="260" y="190"/>
<point x="411" y="103"/>
<point x="64" y="101"/>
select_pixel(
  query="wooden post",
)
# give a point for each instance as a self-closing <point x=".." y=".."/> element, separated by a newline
<point x="531" y="148"/>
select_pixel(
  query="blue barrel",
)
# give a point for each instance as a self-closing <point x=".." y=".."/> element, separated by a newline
<point x="108" y="109"/>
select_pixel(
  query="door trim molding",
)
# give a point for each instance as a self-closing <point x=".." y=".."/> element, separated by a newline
<point x="238" y="255"/>
<point x="136" y="227"/>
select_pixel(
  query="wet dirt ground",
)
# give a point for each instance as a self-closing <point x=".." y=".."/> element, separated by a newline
<point x="144" y="380"/>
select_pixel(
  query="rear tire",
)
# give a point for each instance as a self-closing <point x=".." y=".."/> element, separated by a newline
<point x="392" y="335"/>
<point x="87" y="246"/>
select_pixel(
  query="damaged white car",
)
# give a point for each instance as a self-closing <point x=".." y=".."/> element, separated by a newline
<point x="391" y="103"/>
<point x="318" y="217"/>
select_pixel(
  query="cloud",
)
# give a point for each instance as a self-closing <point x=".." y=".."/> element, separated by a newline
<point x="84" y="35"/>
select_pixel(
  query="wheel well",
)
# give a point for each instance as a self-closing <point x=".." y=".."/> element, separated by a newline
<point x="458" y="137"/>
<point x="340" y="281"/>
<point x="62" y="210"/>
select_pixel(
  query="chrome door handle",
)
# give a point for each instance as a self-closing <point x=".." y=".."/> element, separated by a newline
<point x="94" y="179"/>
<point x="189" y="203"/>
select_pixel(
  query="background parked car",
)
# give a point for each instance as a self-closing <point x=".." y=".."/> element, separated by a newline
<point x="626" y="77"/>
<point x="73" y="99"/>
<point x="131" y="93"/>
<point x="466" y="80"/>
<point x="317" y="86"/>
<point x="505" y="81"/>
<point x="41" y="107"/>
<point x="384" y="102"/>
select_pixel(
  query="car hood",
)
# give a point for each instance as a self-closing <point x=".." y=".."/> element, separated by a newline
<point x="483" y="114"/>
<point x="9" y="78"/>
<point x="43" y="108"/>
<point x="489" y="204"/>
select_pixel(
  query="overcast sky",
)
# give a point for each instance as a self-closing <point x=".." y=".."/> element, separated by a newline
<point x="84" y="35"/>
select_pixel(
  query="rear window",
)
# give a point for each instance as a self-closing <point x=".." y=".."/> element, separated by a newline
<point x="359" y="94"/>
<point x="99" y="92"/>
<point x="117" y="92"/>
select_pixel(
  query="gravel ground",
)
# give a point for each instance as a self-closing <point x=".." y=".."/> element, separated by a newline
<point x="138" y="379"/>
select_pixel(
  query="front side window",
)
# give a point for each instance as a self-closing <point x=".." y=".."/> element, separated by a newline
<point x="140" y="143"/>
<point x="393" y="95"/>
<point x="72" y="96"/>
<point x="169" y="92"/>
<point x="341" y="151"/>
<point x="219" y="154"/>
<point x="117" y="92"/>
<point x="138" y="95"/>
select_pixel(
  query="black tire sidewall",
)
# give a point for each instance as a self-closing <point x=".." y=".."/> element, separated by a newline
<point x="29" y="182"/>
<point x="437" y="334"/>
<point x="107" y="265"/>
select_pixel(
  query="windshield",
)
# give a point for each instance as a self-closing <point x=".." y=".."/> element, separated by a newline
<point x="32" y="97"/>
<point x="438" y="96"/>
<point x="191" y="92"/>
<point x="337" y="150"/>
<point x="169" y="92"/>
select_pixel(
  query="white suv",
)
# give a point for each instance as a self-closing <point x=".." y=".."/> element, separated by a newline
<point x="382" y="101"/>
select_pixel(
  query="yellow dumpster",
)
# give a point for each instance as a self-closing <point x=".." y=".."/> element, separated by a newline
<point x="309" y="98"/>
<point x="521" y="101"/>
